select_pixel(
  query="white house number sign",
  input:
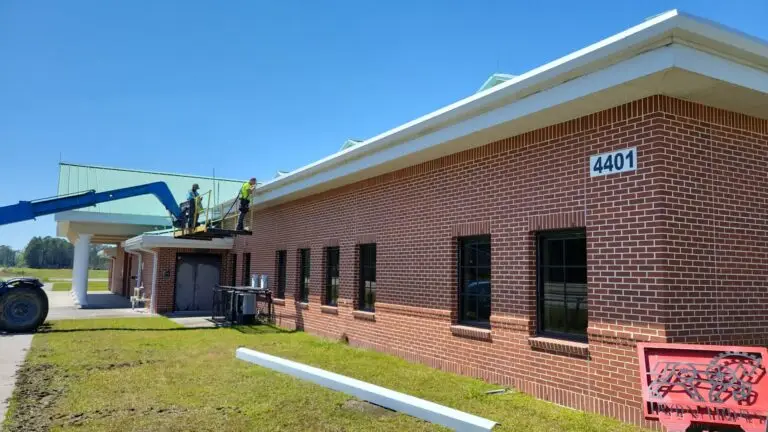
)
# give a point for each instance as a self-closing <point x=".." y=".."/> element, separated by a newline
<point x="613" y="162"/>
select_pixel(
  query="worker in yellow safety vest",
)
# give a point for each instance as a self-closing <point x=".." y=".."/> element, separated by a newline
<point x="246" y="191"/>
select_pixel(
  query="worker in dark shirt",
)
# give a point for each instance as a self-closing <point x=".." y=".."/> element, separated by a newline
<point x="246" y="191"/>
<point x="193" y="206"/>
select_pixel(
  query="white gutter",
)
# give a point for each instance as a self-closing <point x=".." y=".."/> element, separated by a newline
<point x="400" y="402"/>
<point x="154" y="279"/>
<point x="146" y="241"/>
<point x="653" y="33"/>
<point x="111" y="273"/>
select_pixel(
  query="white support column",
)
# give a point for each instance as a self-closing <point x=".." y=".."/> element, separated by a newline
<point x="80" y="269"/>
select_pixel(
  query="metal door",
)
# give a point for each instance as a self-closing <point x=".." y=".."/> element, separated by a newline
<point x="207" y="278"/>
<point x="196" y="276"/>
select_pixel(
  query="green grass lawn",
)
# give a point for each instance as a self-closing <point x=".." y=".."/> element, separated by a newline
<point x="151" y="375"/>
<point x="46" y="274"/>
<point x="92" y="286"/>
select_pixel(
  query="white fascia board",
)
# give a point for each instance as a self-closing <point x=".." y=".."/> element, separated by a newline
<point x="400" y="402"/>
<point x="637" y="67"/>
<point x="155" y="241"/>
<point x="112" y="218"/>
<point x="728" y="36"/>
<point x="720" y="68"/>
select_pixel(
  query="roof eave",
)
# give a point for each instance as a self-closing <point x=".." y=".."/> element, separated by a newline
<point x="649" y="35"/>
<point x="145" y="241"/>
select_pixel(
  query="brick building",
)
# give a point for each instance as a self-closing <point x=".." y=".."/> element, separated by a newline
<point x="532" y="233"/>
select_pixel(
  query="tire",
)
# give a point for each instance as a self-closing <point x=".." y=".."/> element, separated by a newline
<point x="23" y="309"/>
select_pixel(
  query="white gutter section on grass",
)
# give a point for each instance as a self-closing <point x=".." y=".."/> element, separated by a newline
<point x="423" y="409"/>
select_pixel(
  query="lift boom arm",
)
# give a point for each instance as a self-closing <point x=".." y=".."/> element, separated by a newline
<point x="27" y="210"/>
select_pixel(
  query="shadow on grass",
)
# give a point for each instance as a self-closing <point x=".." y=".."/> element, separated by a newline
<point x="262" y="329"/>
<point x="120" y="329"/>
<point x="245" y="329"/>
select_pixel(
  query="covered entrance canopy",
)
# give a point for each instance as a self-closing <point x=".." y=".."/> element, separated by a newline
<point x="116" y="221"/>
<point x="177" y="274"/>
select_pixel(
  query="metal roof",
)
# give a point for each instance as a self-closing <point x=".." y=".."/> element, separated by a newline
<point x="76" y="178"/>
<point x="350" y="143"/>
<point x="495" y="80"/>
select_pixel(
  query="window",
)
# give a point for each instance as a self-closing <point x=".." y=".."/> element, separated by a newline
<point x="475" y="281"/>
<point x="233" y="280"/>
<point x="367" y="277"/>
<point x="281" y="274"/>
<point x="562" y="284"/>
<point x="304" y="275"/>
<point x="331" y="276"/>
<point x="246" y="278"/>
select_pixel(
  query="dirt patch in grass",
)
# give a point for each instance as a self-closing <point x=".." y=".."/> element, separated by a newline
<point x="121" y="365"/>
<point x="36" y="393"/>
<point x="107" y="415"/>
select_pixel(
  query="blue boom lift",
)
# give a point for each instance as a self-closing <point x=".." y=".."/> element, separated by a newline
<point x="23" y="303"/>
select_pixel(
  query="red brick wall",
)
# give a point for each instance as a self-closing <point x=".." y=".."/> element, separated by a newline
<point x="509" y="189"/>
<point x="147" y="260"/>
<point x="717" y="206"/>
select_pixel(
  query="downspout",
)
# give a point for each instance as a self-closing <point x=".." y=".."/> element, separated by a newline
<point x="113" y="261"/>
<point x="152" y="302"/>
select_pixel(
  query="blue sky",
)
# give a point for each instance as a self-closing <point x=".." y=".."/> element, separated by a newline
<point x="250" y="87"/>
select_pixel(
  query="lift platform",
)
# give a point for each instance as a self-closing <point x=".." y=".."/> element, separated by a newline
<point x="205" y="232"/>
<point x="210" y="227"/>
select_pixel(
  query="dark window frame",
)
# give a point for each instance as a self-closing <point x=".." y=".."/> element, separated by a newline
<point x="366" y="284"/>
<point x="245" y="278"/>
<point x="332" y="275"/>
<point x="541" y="236"/>
<point x="281" y="265"/>
<point x="305" y="262"/>
<point x="461" y="294"/>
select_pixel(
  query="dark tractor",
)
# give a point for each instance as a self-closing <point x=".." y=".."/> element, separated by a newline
<point x="23" y="305"/>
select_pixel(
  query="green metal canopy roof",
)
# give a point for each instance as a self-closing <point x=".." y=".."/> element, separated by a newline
<point x="77" y="178"/>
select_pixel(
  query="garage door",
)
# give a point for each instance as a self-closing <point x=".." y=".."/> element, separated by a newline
<point x="196" y="276"/>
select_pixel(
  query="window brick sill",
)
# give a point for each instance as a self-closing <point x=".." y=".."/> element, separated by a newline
<point x="363" y="315"/>
<point x="302" y="305"/>
<point x="329" y="309"/>
<point x="278" y="301"/>
<point x="560" y="346"/>
<point x="471" y="332"/>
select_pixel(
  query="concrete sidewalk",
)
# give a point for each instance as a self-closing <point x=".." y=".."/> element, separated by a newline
<point x="14" y="349"/>
<point x="100" y="305"/>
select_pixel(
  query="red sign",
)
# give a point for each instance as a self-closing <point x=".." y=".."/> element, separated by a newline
<point x="704" y="384"/>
